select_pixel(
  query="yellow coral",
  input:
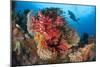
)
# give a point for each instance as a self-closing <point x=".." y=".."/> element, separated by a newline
<point x="38" y="37"/>
<point x="40" y="40"/>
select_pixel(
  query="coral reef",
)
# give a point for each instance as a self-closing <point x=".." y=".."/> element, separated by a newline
<point x="46" y="37"/>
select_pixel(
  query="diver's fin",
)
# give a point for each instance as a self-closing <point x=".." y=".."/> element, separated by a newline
<point x="77" y="20"/>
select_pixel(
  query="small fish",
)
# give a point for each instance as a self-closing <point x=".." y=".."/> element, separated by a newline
<point x="72" y="16"/>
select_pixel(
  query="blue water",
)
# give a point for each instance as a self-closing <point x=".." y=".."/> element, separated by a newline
<point x="86" y="14"/>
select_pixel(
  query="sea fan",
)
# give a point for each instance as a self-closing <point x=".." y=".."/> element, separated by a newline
<point x="46" y="54"/>
<point x="42" y="49"/>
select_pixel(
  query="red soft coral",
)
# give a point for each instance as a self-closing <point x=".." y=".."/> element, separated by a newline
<point x="48" y="28"/>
